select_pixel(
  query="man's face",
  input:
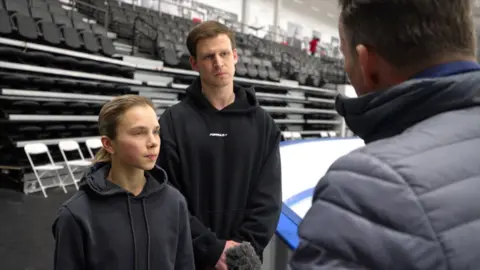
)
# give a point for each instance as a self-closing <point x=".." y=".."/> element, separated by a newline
<point x="215" y="61"/>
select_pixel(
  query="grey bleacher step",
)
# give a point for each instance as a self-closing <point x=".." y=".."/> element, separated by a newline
<point x="290" y="83"/>
<point x="153" y="78"/>
<point x="112" y="35"/>
<point x="147" y="70"/>
<point x="149" y="64"/>
<point x="123" y="48"/>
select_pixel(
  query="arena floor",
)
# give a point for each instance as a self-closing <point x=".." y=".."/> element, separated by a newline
<point x="26" y="241"/>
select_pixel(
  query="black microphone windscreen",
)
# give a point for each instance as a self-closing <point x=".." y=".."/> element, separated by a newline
<point x="243" y="257"/>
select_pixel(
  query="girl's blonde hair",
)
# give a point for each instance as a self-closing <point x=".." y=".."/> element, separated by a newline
<point x="110" y="115"/>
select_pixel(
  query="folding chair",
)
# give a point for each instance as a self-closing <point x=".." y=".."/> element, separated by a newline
<point x="39" y="171"/>
<point x="291" y="135"/>
<point x="332" y="134"/>
<point x="93" y="144"/>
<point x="287" y="135"/>
<point x="73" y="165"/>
<point x="296" y="135"/>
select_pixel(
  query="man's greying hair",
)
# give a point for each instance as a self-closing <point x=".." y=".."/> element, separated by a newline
<point x="208" y="29"/>
<point x="409" y="32"/>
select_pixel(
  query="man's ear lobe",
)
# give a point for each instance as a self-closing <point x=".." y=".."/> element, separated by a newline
<point x="193" y="63"/>
<point x="235" y="56"/>
<point x="366" y="60"/>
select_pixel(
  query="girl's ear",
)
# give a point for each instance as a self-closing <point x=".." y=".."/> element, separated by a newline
<point x="108" y="145"/>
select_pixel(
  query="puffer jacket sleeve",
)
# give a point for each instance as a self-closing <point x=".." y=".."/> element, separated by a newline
<point x="365" y="216"/>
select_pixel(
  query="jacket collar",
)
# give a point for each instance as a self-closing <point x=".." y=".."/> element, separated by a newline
<point x="386" y="113"/>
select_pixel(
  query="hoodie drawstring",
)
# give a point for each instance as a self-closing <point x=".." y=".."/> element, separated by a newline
<point x="133" y="231"/>
<point x="148" y="232"/>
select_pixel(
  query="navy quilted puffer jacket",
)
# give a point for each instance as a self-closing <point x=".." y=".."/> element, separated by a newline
<point x="409" y="199"/>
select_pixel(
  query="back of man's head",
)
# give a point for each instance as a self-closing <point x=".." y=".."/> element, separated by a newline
<point x="409" y="33"/>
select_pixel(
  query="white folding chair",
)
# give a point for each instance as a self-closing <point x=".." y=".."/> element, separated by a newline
<point x="292" y="135"/>
<point x="287" y="135"/>
<point x="73" y="165"/>
<point x="93" y="144"/>
<point x="41" y="170"/>
<point x="296" y="135"/>
<point x="332" y="134"/>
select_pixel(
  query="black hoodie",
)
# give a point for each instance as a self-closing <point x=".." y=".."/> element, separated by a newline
<point x="227" y="165"/>
<point x="104" y="227"/>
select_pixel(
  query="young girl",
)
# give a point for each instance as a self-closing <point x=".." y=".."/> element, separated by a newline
<point x="123" y="218"/>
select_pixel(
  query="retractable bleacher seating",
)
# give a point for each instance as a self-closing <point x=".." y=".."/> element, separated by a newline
<point x="162" y="36"/>
<point x="53" y="88"/>
<point x="50" y="94"/>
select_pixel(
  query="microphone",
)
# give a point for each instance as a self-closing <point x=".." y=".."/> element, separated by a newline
<point x="242" y="257"/>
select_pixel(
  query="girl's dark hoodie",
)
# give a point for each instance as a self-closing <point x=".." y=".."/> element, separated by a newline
<point x="105" y="227"/>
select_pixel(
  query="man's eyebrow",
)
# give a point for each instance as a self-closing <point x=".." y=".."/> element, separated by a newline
<point x="138" y="127"/>
<point x="143" y="127"/>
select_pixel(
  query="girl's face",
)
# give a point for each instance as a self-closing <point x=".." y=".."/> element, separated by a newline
<point x="138" y="138"/>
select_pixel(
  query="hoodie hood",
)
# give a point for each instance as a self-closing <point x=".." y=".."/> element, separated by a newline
<point x="245" y="100"/>
<point x="387" y="113"/>
<point x="96" y="179"/>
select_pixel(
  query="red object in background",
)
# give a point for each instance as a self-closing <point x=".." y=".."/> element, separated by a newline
<point x="196" y="20"/>
<point x="313" y="45"/>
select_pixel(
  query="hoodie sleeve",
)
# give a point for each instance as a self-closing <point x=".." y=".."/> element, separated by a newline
<point x="206" y="247"/>
<point x="264" y="205"/>
<point x="185" y="258"/>
<point x="68" y="242"/>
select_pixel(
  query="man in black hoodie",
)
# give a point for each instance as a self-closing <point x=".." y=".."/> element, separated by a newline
<point x="409" y="199"/>
<point x="221" y="150"/>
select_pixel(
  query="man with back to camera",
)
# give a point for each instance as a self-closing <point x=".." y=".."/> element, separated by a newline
<point x="221" y="150"/>
<point x="409" y="199"/>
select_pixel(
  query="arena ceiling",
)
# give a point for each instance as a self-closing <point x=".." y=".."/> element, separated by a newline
<point x="326" y="11"/>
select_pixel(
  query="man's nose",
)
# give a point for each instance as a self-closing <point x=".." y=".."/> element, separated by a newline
<point x="218" y="60"/>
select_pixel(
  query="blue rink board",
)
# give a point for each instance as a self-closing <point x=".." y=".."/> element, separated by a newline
<point x="287" y="228"/>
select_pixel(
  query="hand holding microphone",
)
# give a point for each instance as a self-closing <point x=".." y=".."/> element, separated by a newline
<point x="242" y="257"/>
<point x="222" y="264"/>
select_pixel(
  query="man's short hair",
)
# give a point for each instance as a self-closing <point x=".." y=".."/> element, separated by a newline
<point x="208" y="29"/>
<point x="409" y="32"/>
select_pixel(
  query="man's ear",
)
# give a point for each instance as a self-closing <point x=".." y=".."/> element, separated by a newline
<point x="235" y="56"/>
<point x="367" y="61"/>
<point x="108" y="145"/>
<point x="193" y="62"/>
